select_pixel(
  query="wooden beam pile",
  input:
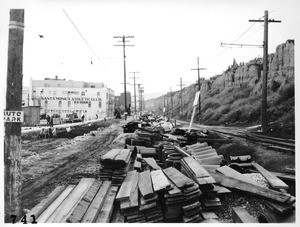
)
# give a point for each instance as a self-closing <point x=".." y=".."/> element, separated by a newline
<point x="170" y="156"/>
<point x="183" y="199"/>
<point x="89" y="201"/>
<point x="138" y="200"/>
<point x="192" y="168"/>
<point x="205" y="154"/>
<point x="115" y="165"/>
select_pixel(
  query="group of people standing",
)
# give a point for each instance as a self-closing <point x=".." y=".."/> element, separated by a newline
<point x="50" y="120"/>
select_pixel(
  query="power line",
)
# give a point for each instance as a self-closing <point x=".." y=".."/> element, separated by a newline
<point x="83" y="38"/>
<point x="228" y="46"/>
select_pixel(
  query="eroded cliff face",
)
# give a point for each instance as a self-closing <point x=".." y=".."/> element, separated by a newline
<point x="243" y="76"/>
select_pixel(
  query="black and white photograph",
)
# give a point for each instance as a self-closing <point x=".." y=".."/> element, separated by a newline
<point x="149" y="111"/>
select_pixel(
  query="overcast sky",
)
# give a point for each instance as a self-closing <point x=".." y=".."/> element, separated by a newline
<point x="168" y="38"/>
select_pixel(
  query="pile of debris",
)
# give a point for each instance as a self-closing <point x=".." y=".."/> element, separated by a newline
<point x="160" y="177"/>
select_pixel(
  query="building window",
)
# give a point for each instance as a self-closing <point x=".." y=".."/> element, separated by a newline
<point x="49" y="92"/>
<point x="92" y="86"/>
<point x="54" y="93"/>
<point x="46" y="85"/>
<point x="42" y="92"/>
<point x="59" y="103"/>
<point x="98" y="94"/>
<point x="58" y="85"/>
<point x="69" y="103"/>
<point x="82" y="93"/>
<point x="90" y="104"/>
<point x="100" y="103"/>
<point x="34" y="94"/>
<point x="46" y="103"/>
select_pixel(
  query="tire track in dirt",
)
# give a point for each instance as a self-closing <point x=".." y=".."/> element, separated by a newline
<point x="90" y="150"/>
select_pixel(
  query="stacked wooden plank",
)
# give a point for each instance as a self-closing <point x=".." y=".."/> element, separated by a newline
<point x="128" y="196"/>
<point x="89" y="201"/>
<point x="149" y="200"/>
<point x="115" y="165"/>
<point x="184" y="195"/>
<point x="170" y="156"/>
<point x="205" y="154"/>
<point x="138" y="163"/>
<point x="138" y="200"/>
<point x="193" y="169"/>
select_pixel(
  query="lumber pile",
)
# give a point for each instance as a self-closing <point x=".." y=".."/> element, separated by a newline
<point x="170" y="156"/>
<point x="138" y="200"/>
<point x="89" y="201"/>
<point x="183" y="199"/>
<point x="209" y="194"/>
<point x="115" y="165"/>
<point x="204" y="154"/>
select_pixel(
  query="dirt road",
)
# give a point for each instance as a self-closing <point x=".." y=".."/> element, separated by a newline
<point x="47" y="163"/>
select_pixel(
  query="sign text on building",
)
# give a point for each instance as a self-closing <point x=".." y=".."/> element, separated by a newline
<point x="70" y="99"/>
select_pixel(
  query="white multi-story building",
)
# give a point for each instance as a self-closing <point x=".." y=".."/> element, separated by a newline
<point x="65" y="97"/>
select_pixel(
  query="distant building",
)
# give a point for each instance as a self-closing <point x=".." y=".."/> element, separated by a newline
<point x="120" y="100"/>
<point x="65" y="97"/>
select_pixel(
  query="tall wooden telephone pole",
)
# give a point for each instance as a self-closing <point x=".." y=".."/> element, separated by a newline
<point x="181" y="85"/>
<point x="264" y="120"/>
<point x="134" y="77"/>
<point x="199" y="85"/>
<point x="124" y="58"/>
<point x="12" y="138"/>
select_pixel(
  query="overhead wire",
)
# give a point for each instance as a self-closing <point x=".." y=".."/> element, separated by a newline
<point x="86" y="42"/>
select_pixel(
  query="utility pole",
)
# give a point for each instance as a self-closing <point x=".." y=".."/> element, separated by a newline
<point x="167" y="104"/>
<point x="134" y="77"/>
<point x="141" y="100"/>
<point x="164" y="109"/>
<point x="199" y="85"/>
<point x="171" y="100"/>
<point x="264" y="103"/>
<point x="181" y="85"/>
<point x="12" y="138"/>
<point x="124" y="57"/>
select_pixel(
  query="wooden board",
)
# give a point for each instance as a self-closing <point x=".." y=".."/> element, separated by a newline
<point x="159" y="180"/>
<point x="235" y="174"/>
<point x="195" y="167"/>
<point x="66" y="208"/>
<point x="107" y="209"/>
<point x="285" y="176"/>
<point x="181" y="151"/>
<point x="123" y="156"/>
<point x="55" y="204"/>
<point x="132" y="201"/>
<point x="204" y="152"/>
<point x="125" y="189"/>
<point x="250" y="188"/>
<point x="200" y="149"/>
<point x="240" y="215"/>
<point x="42" y="206"/>
<point x="200" y="157"/>
<point x="211" y="161"/>
<point x="85" y="202"/>
<point x="280" y="208"/>
<point x="178" y="178"/>
<point x="274" y="181"/>
<point x="145" y="184"/>
<point x="97" y="203"/>
<point x="152" y="163"/>
<point x="110" y="155"/>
